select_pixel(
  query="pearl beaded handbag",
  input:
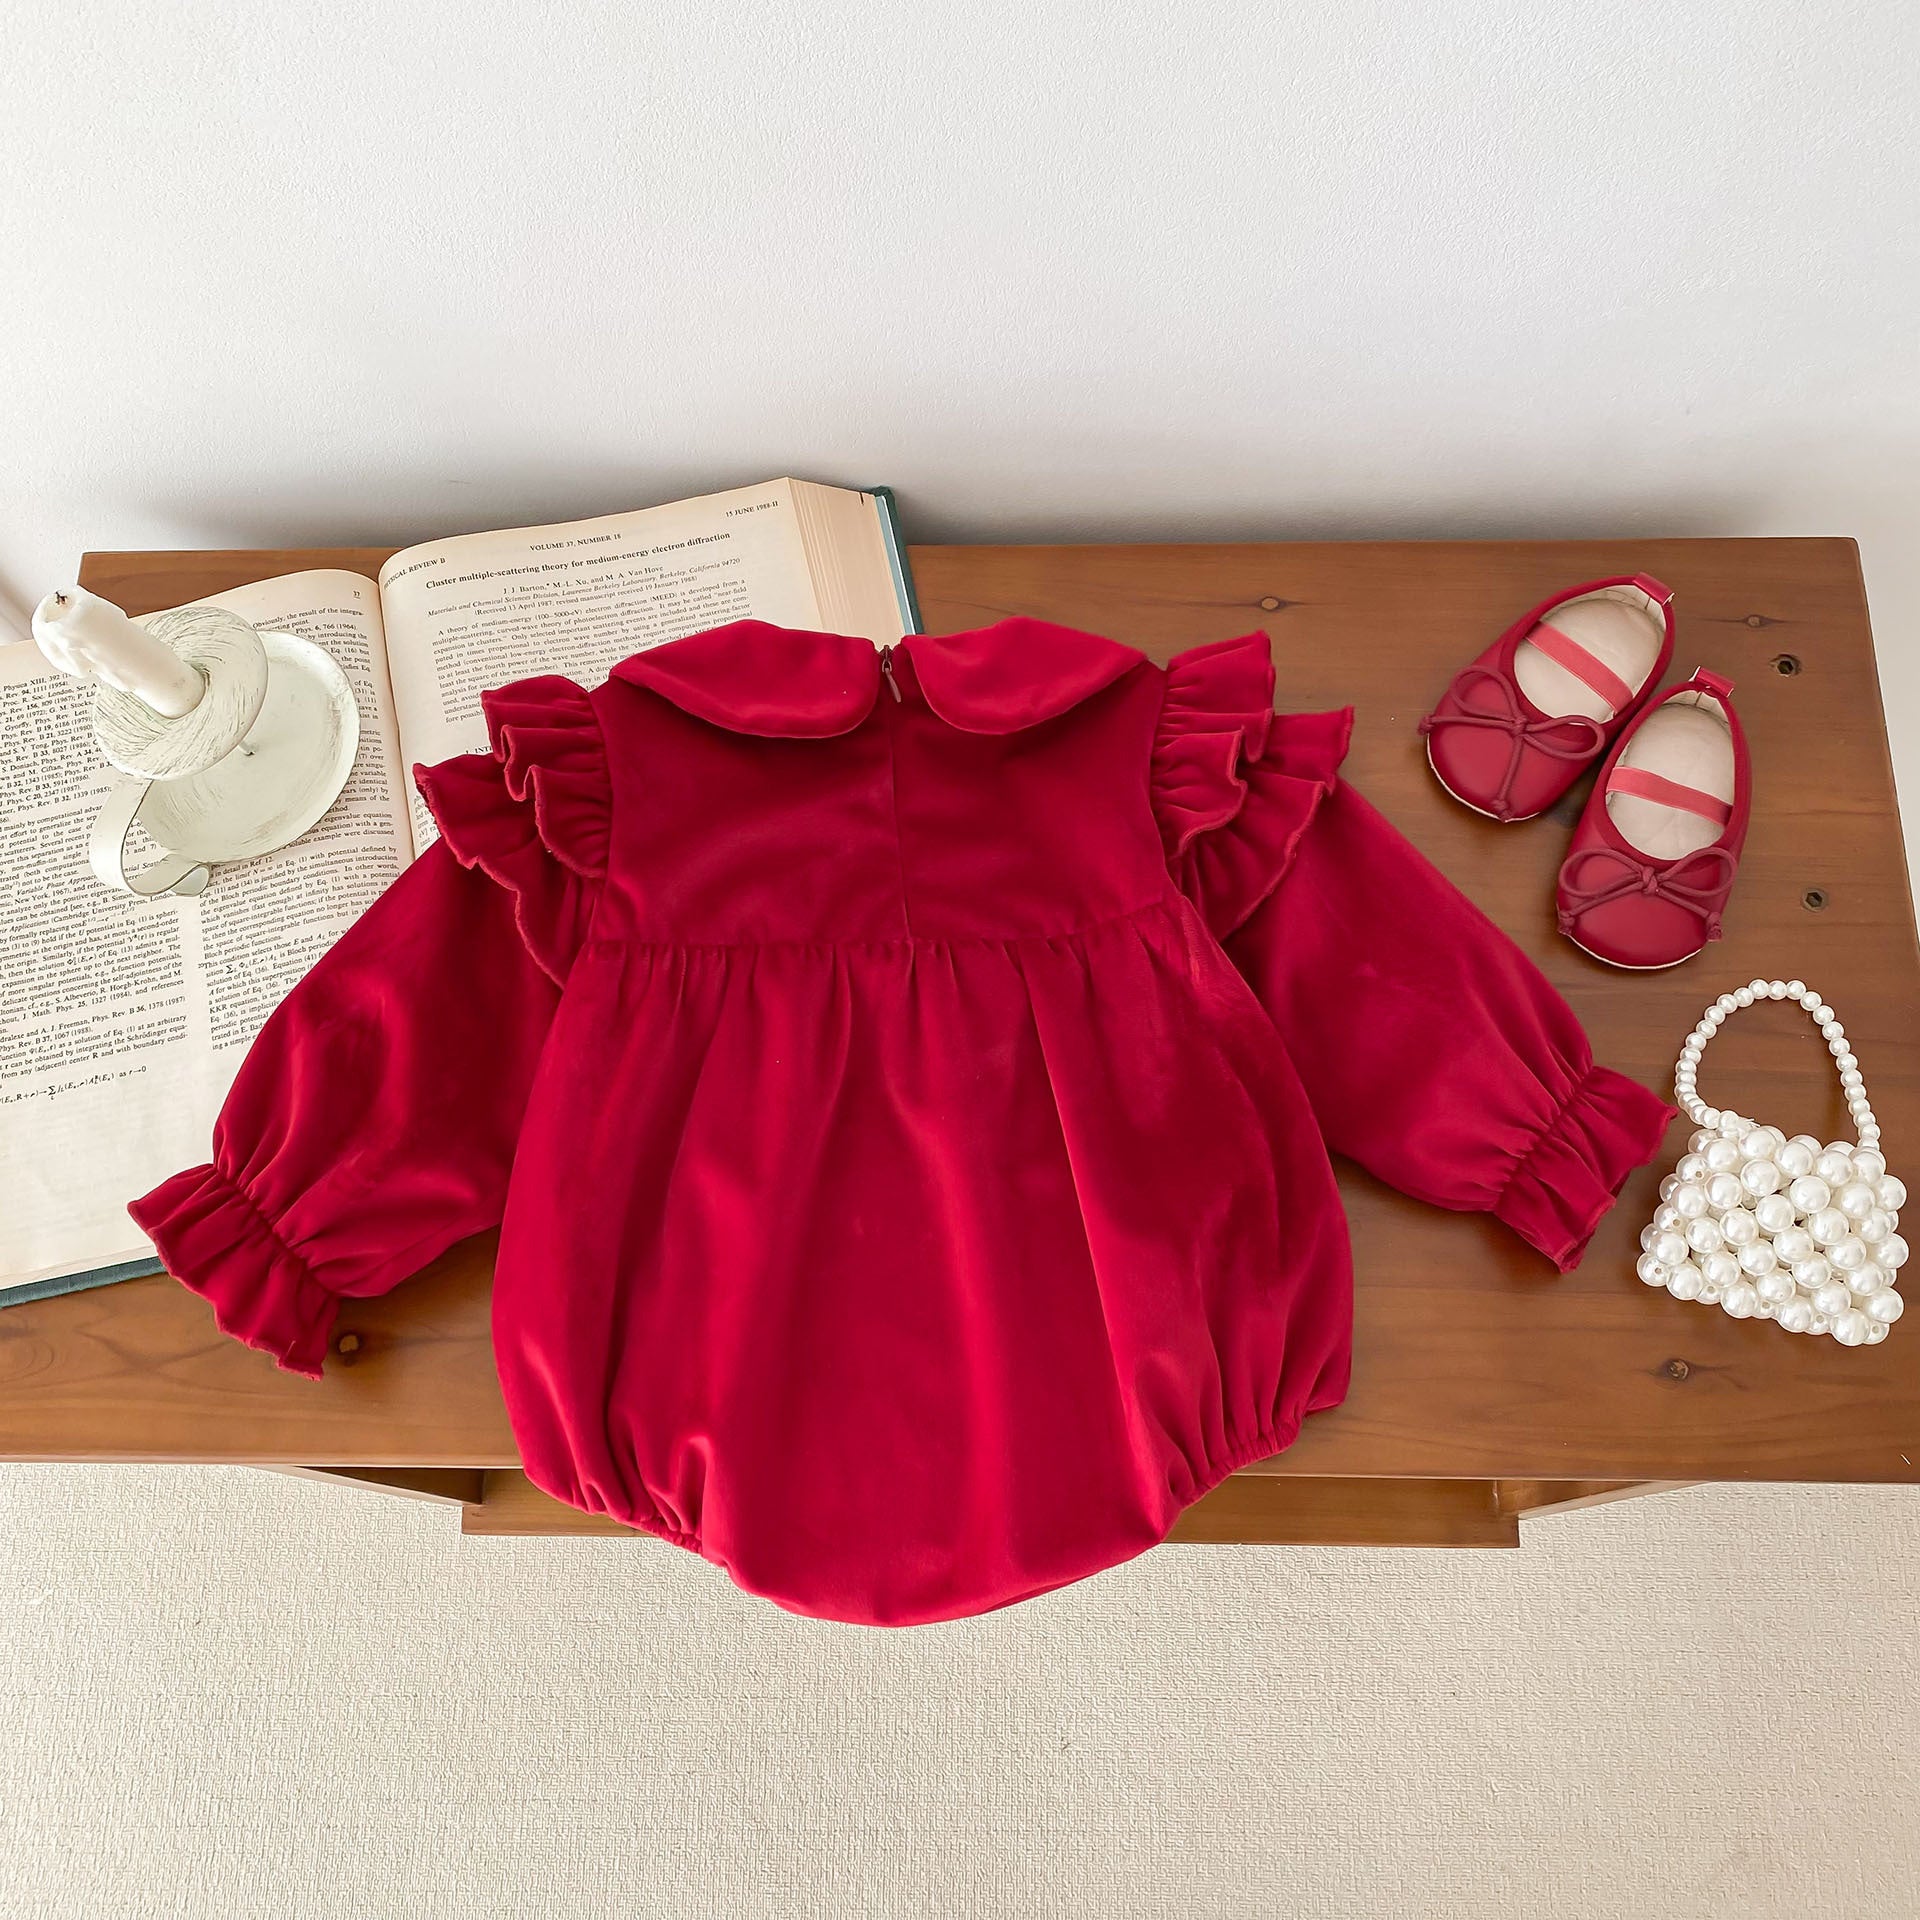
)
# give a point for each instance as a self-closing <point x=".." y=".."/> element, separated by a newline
<point x="1770" y="1228"/>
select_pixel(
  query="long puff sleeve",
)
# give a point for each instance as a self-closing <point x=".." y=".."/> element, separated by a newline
<point x="1433" y="1051"/>
<point x="374" y="1120"/>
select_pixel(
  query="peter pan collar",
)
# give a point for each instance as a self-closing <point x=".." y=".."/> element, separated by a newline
<point x="785" y="682"/>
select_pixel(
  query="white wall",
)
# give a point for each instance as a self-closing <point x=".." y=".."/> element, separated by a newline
<point x="304" y="273"/>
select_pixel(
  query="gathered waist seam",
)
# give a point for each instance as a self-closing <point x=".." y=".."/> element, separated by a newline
<point x="1171" y="900"/>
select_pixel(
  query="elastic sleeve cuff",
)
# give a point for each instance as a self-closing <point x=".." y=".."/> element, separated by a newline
<point x="213" y="1239"/>
<point x="1562" y="1190"/>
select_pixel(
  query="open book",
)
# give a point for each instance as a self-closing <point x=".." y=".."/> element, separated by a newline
<point x="123" y="1021"/>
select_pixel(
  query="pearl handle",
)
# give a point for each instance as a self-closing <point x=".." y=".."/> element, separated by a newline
<point x="1853" y="1083"/>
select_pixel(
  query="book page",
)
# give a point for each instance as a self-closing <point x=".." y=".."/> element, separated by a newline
<point x="475" y="611"/>
<point x="123" y="1021"/>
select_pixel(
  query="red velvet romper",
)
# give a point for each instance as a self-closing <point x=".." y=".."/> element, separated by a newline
<point x="904" y="1085"/>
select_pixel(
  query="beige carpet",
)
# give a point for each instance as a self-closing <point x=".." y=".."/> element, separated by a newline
<point x="226" y="1694"/>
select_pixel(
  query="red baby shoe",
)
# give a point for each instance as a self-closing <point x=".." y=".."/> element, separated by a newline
<point x="1656" y="850"/>
<point x="1512" y="732"/>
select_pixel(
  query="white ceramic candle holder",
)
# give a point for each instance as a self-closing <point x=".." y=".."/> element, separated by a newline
<point x="249" y="766"/>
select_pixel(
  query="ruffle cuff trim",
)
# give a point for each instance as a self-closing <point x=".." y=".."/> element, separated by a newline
<point x="535" y="812"/>
<point x="1564" y="1187"/>
<point x="213" y="1239"/>
<point x="1233" y="784"/>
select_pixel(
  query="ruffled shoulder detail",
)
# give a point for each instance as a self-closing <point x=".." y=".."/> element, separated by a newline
<point x="1233" y="784"/>
<point x="534" y="812"/>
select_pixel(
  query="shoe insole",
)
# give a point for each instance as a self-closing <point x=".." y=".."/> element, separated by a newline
<point x="1685" y="740"/>
<point x="1620" y="626"/>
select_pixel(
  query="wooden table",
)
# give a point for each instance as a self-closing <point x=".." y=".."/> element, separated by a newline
<point x="1484" y="1387"/>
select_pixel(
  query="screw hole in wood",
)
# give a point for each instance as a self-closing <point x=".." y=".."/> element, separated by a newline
<point x="1814" y="899"/>
<point x="1786" y="664"/>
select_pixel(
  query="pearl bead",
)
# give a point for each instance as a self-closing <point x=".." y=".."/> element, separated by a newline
<point x="1670" y="1249"/>
<point x="1821" y="1324"/>
<point x="1760" y="1176"/>
<point x="1809" y="1193"/>
<point x="1821" y="1012"/>
<point x="1834" y="1167"/>
<point x="1893" y="1195"/>
<point x="1690" y="1202"/>
<point x="1794" y="1315"/>
<point x="1743" y="996"/>
<point x="1775" y="1214"/>
<point x="1827" y="1225"/>
<point x="1668" y="1219"/>
<point x="1774" y="1287"/>
<point x="1794" y="1247"/>
<point x="1693" y="1166"/>
<point x="1776" y="989"/>
<point x="1812" y="1274"/>
<point x="1796" y="989"/>
<point x="1719" y="1270"/>
<point x="1891" y="1252"/>
<point x="1875" y="1334"/>
<point x="1741" y="1301"/>
<point x="1739" y="1228"/>
<point x="1763" y="1143"/>
<point x="1875" y="1227"/>
<point x="1725" y="1005"/>
<point x="1869" y="1280"/>
<point x="1886" y="1307"/>
<point x="1850" y="1328"/>
<point x="1845" y="1061"/>
<point x="1758" y="1258"/>
<point x="1684" y="1283"/>
<point x="1832" y="1299"/>
<point x="1758" y="988"/>
<point x="1669" y="1186"/>
<point x="1704" y="1235"/>
<point x="1832" y="1030"/>
<point x="1699" y="1140"/>
<point x="1721" y="1155"/>
<point x="1852" y="1079"/>
<point x="1855" y="1199"/>
<point x="1651" y="1269"/>
<point x="1794" y="1159"/>
<point x="1868" y="1164"/>
<point x="1848" y="1254"/>
<point x="1726" y="1190"/>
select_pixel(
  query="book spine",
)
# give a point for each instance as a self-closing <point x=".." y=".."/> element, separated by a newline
<point x="18" y="1296"/>
<point x="896" y="545"/>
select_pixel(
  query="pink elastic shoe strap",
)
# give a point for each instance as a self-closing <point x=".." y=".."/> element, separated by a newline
<point x="1565" y="651"/>
<point x="1643" y="785"/>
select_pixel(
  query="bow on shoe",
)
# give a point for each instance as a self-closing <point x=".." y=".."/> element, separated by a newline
<point x="1697" y="883"/>
<point x="1506" y="715"/>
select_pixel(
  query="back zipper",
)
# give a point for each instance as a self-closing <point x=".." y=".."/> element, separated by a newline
<point x="886" y="668"/>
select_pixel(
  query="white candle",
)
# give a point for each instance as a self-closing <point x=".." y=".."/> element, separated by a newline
<point x="92" y="639"/>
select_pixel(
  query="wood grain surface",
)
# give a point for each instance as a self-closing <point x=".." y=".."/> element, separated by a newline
<point x="1275" y="1510"/>
<point x="1473" y="1360"/>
